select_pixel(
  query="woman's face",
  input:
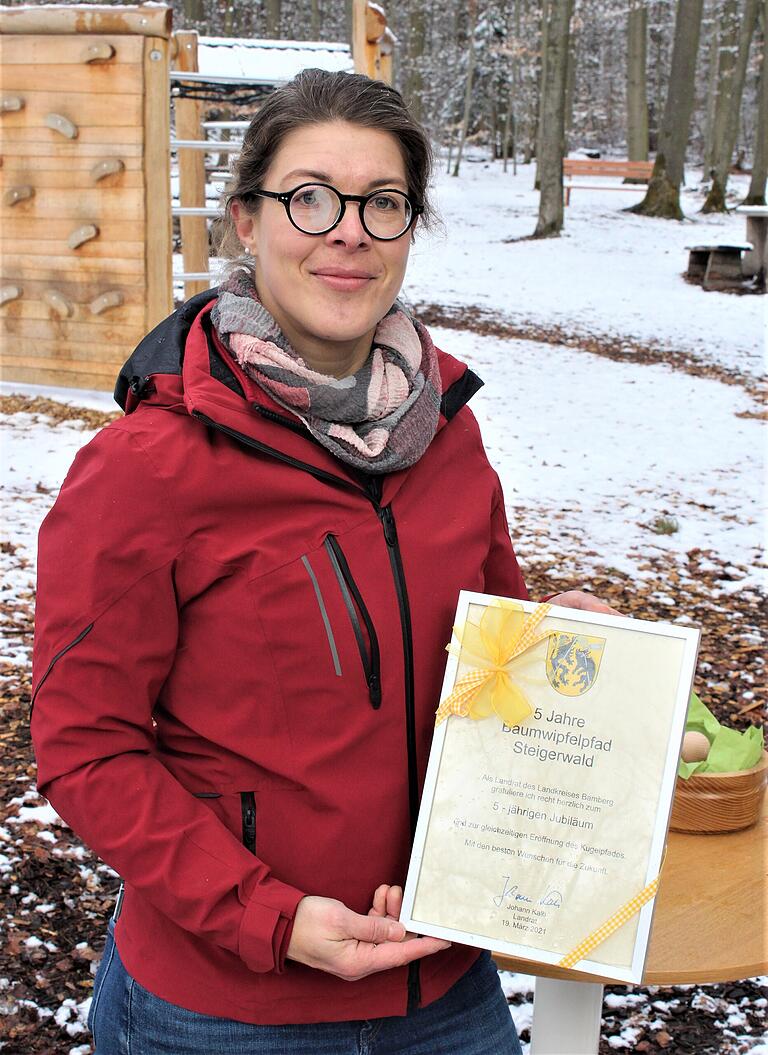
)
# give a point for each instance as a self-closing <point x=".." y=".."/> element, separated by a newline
<point x="327" y="292"/>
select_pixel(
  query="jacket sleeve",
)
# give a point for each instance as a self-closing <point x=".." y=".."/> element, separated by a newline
<point x="105" y="638"/>
<point x="502" y="572"/>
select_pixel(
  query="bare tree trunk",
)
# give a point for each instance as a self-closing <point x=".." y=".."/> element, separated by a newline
<point x="468" y="88"/>
<point x="756" y="192"/>
<point x="637" y="99"/>
<point x="663" y="195"/>
<point x="710" y="26"/>
<point x="314" y="20"/>
<point x="552" y="128"/>
<point x="194" y="13"/>
<point x="272" y="10"/>
<point x="414" y="84"/>
<point x="542" y="81"/>
<point x="570" y="79"/>
<point x="731" y="88"/>
<point x="507" y="126"/>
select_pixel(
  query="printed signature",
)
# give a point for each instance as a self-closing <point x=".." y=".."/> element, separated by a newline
<point x="512" y="894"/>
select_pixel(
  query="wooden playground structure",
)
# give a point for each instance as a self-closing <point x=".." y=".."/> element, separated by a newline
<point x="87" y="214"/>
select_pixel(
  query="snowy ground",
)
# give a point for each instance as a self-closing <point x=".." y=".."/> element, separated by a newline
<point x="608" y="456"/>
<point x="610" y="272"/>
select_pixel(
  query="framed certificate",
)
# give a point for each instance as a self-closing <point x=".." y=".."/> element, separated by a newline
<point x="544" y="816"/>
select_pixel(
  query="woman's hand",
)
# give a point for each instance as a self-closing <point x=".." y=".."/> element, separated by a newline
<point x="331" y="937"/>
<point x="585" y="601"/>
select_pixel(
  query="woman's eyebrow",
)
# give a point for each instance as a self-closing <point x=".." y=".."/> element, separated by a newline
<point x="323" y="177"/>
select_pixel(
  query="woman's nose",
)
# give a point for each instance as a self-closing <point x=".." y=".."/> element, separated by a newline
<point x="350" y="231"/>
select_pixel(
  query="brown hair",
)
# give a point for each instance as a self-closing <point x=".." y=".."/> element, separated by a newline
<point x="315" y="97"/>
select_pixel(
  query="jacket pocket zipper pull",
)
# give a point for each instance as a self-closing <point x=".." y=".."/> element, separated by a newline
<point x="248" y="810"/>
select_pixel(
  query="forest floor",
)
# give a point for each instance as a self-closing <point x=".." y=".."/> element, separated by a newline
<point x="622" y="411"/>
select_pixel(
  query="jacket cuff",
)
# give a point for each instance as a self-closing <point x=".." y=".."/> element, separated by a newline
<point x="266" y="926"/>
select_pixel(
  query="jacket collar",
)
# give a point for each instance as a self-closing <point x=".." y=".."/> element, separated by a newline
<point x="182" y="366"/>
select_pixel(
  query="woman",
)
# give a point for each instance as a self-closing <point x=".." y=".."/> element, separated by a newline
<point x="245" y="588"/>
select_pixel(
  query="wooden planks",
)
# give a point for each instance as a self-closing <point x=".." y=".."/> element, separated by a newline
<point x="64" y="376"/>
<point x="90" y="110"/>
<point x="120" y="108"/>
<point x="27" y="49"/>
<point x="90" y="141"/>
<point x="105" y="78"/>
<point x="90" y="204"/>
<point x="128" y="314"/>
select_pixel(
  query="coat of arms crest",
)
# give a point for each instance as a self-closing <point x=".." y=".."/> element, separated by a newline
<point x="573" y="662"/>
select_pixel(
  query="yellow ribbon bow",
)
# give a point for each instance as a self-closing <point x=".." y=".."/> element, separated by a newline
<point x="489" y="648"/>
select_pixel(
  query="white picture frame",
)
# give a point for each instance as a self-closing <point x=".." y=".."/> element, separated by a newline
<point x="454" y="902"/>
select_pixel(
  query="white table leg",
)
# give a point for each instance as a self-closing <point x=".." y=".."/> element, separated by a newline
<point x="566" y="1017"/>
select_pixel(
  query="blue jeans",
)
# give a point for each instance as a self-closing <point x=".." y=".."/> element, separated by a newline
<point x="471" y="1019"/>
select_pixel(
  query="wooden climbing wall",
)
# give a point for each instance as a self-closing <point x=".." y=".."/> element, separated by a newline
<point x="85" y="226"/>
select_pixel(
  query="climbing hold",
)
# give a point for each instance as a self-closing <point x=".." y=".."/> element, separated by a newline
<point x="98" y="52"/>
<point x="112" y="299"/>
<point x="8" y="293"/>
<point x="12" y="103"/>
<point x="16" y="194"/>
<point x="58" y="302"/>
<point x="107" y="167"/>
<point x="82" y="234"/>
<point x="61" y="124"/>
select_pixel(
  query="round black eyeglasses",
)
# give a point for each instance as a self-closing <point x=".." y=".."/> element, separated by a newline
<point x="316" y="208"/>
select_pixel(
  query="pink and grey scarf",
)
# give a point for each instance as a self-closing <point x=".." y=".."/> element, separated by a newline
<point x="380" y="419"/>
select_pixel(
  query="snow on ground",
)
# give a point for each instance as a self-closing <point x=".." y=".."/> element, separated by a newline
<point x="610" y="271"/>
<point x="640" y="445"/>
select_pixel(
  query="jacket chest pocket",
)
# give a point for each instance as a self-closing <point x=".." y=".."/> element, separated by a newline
<point x="322" y="636"/>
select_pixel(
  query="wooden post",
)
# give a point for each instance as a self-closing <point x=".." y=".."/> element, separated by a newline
<point x="386" y="48"/>
<point x="194" y="229"/>
<point x="375" y="27"/>
<point x="359" y="39"/>
<point x="157" y="180"/>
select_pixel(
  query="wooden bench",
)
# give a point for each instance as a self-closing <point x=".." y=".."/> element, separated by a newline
<point x="638" y="170"/>
<point x="716" y="266"/>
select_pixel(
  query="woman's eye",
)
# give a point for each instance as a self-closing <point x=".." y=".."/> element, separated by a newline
<point x="385" y="203"/>
<point x="307" y="197"/>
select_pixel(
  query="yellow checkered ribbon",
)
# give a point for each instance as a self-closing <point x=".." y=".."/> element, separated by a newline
<point x="618" y="919"/>
<point x="489" y="647"/>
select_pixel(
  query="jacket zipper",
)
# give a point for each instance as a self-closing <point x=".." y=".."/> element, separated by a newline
<point x="369" y="654"/>
<point x="373" y="493"/>
<point x="55" y="660"/>
<point x="248" y="813"/>
<point x="387" y="518"/>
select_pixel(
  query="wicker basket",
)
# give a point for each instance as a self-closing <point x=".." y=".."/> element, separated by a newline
<point x="719" y="802"/>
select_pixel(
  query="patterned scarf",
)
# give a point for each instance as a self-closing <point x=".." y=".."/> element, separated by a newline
<point x="380" y="419"/>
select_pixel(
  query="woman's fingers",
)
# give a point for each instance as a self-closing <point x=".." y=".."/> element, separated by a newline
<point x="331" y="937"/>
<point x="394" y="901"/>
<point x="585" y="601"/>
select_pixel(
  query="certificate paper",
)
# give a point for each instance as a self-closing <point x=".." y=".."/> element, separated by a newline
<point x="530" y="837"/>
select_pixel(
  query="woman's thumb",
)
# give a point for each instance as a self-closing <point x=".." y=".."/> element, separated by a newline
<point x="374" y="929"/>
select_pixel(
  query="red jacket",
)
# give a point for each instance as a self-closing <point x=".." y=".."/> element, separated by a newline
<point x="239" y="650"/>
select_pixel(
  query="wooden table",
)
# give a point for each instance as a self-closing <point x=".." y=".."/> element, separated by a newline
<point x="710" y="925"/>
<point x="757" y="233"/>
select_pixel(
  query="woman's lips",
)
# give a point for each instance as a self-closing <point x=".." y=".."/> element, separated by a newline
<point x="343" y="281"/>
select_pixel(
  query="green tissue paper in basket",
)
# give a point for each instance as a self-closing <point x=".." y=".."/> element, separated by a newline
<point x="729" y="750"/>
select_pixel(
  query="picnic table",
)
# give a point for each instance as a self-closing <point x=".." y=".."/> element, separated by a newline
<point x="709" y="926"/>
<point x="756" y="259"/>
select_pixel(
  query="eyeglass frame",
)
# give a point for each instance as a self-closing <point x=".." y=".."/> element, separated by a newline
<point x="362" y="200"/>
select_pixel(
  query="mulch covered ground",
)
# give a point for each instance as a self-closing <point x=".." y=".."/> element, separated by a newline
<point x="55" y="896"/>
